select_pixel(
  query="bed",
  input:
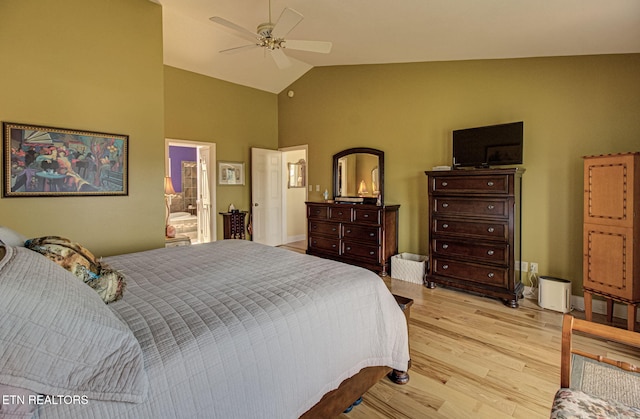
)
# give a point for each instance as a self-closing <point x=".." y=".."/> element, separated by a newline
<point x="230" y="329"/>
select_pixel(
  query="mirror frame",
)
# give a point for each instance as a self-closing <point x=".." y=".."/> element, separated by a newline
<point x="300" y="168"/>
<point x="364" y="150"/>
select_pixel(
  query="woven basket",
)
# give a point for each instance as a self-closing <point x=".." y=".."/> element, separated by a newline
<point x="408" y="267"/>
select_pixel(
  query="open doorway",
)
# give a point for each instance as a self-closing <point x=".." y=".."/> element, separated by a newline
<point x="294" y="160"/>
<point x="278" y="210"/>
<point x="189" y="165"/>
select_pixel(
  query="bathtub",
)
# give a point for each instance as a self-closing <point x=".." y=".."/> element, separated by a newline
<point x="185" y="224"/>
<point x="182" y="216"/>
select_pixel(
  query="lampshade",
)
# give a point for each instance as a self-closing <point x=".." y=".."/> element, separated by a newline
<point x="362" y="190"/>
<point x="168" y="186"/>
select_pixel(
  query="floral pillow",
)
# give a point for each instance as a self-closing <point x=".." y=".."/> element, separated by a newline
<point x="83" y="264"/>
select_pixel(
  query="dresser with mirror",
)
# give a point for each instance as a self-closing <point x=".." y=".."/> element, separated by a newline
<point x="355" y="226"/>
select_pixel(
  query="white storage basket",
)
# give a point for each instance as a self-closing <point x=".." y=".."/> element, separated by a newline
<point x="409" y="267"/>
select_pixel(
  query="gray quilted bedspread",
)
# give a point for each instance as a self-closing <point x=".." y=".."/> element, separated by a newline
<point x="234" y="329"/>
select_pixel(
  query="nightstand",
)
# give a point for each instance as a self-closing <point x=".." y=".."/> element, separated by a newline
<point x="234" y="224"/>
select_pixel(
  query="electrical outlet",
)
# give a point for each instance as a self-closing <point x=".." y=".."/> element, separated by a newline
<point x="524" y="266"/>
<point x="534" y="267"/>
<point x="317" y="188"/>
<point x="310" y="188"/>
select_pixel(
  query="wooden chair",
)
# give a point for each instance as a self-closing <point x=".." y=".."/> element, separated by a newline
<point x="605" y="399"/>
<point x="571" y="324"/>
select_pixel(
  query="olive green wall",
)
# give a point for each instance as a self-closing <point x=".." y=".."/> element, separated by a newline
<point x="90" y="65"/>
<point x="236" y="118"/>
<point x="571" y="106"/>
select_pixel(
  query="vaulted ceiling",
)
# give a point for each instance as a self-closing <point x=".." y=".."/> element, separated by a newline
<point x="380" y="31"/>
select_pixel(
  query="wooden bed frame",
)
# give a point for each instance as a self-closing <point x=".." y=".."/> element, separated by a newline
<point x="338" y="400"/>
<point x="351" y="389"/>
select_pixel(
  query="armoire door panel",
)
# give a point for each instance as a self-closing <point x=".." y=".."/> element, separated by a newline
<point x="607" y="257"/>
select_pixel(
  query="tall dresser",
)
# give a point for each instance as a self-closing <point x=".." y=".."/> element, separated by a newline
<point x="474" y="231"/>
<point x="358" y="234"/>
<point x="611" y="263"/>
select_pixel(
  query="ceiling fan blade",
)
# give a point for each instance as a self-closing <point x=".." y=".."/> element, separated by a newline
<point x="323" y="47"/>
<point x="237" y="49"/>
<point x="286" y="22"/>
<point x="282" y="61"/>
<point x="237" y="29"/>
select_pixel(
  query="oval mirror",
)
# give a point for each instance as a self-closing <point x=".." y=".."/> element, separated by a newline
<point x="358" y="176"/>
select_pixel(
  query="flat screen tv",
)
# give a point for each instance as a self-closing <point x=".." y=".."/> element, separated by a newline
<point x="494" y="145"/>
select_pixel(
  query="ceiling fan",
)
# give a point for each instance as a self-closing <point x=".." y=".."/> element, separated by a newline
<point x="270" y="36"/>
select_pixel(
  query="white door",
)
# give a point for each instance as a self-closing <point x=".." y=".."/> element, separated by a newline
<point x="266" y="196"/>
<point x="204" y="196"/>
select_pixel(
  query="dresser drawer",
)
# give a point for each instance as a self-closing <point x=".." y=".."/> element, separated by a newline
<point x="364" y="233"/>
<point x="361" y="251"/>
<point x="476" y="207"/>
<point x="318" y="212"/>
<point x="492" y="184"/>
<point x="494" y="253"/>
<point x="486" y="275"/>
<point x="325" y="228"/>
<point x="472" y="228"/>
<point x="340" y="213"/>
<point x="367" y="216"/>
<point x="325" y="244"/>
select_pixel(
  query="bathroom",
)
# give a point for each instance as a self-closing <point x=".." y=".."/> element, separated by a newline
<point x="184" y="206"/>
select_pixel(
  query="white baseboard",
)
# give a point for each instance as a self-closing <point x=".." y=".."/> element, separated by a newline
<point x="598" y="306"/>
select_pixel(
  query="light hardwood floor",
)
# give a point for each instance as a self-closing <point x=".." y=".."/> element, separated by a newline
<point x="472" y="357"/>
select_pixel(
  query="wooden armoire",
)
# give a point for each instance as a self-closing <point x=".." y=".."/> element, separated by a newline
<point x="611" y="263"/>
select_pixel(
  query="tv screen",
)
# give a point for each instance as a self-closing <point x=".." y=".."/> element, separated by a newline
<point x="494" y="145"/>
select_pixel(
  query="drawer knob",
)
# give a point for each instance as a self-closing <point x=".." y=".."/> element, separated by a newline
<point x="491" y="207"/>
<point x="490" y="183"/>
<point x="315" y="242"/>
<point x="445" y="205"/>
<point x="340" y="213"/>
<point x="491" y="229"/>
<point x="491" y="275"/>
<point x="348" y="248"/>
<point x="348" y="231"/>
<point x="372" y="234"/>
<point x="445" y="266"/>
<point x="333" y="245"/>
<point x="333" y="229"/>
<point x="445" y="246"/>
<point x="372" y="252"/>
<point x="490" y="252"/>
<point x="366" y="216"/>
<point x="444" y="183"/>
<point x="445" y="225"/>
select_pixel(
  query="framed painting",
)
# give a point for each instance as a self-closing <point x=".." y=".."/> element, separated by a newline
<point x="230" y="173"/>
<point x="44" y="161"/>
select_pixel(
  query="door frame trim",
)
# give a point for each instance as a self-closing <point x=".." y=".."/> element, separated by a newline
<point x="212" y="174"/>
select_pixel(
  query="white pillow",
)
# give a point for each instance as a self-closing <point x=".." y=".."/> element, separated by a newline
<point x="11" y="238"/>
<point x="58" y="337"/>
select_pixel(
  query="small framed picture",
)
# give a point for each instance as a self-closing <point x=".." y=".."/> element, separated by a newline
<point x="230" y="173"/>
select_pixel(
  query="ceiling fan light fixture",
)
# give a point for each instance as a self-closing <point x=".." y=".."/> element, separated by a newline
<point x="271" y="36"/>
<point x="264" y="29"/>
